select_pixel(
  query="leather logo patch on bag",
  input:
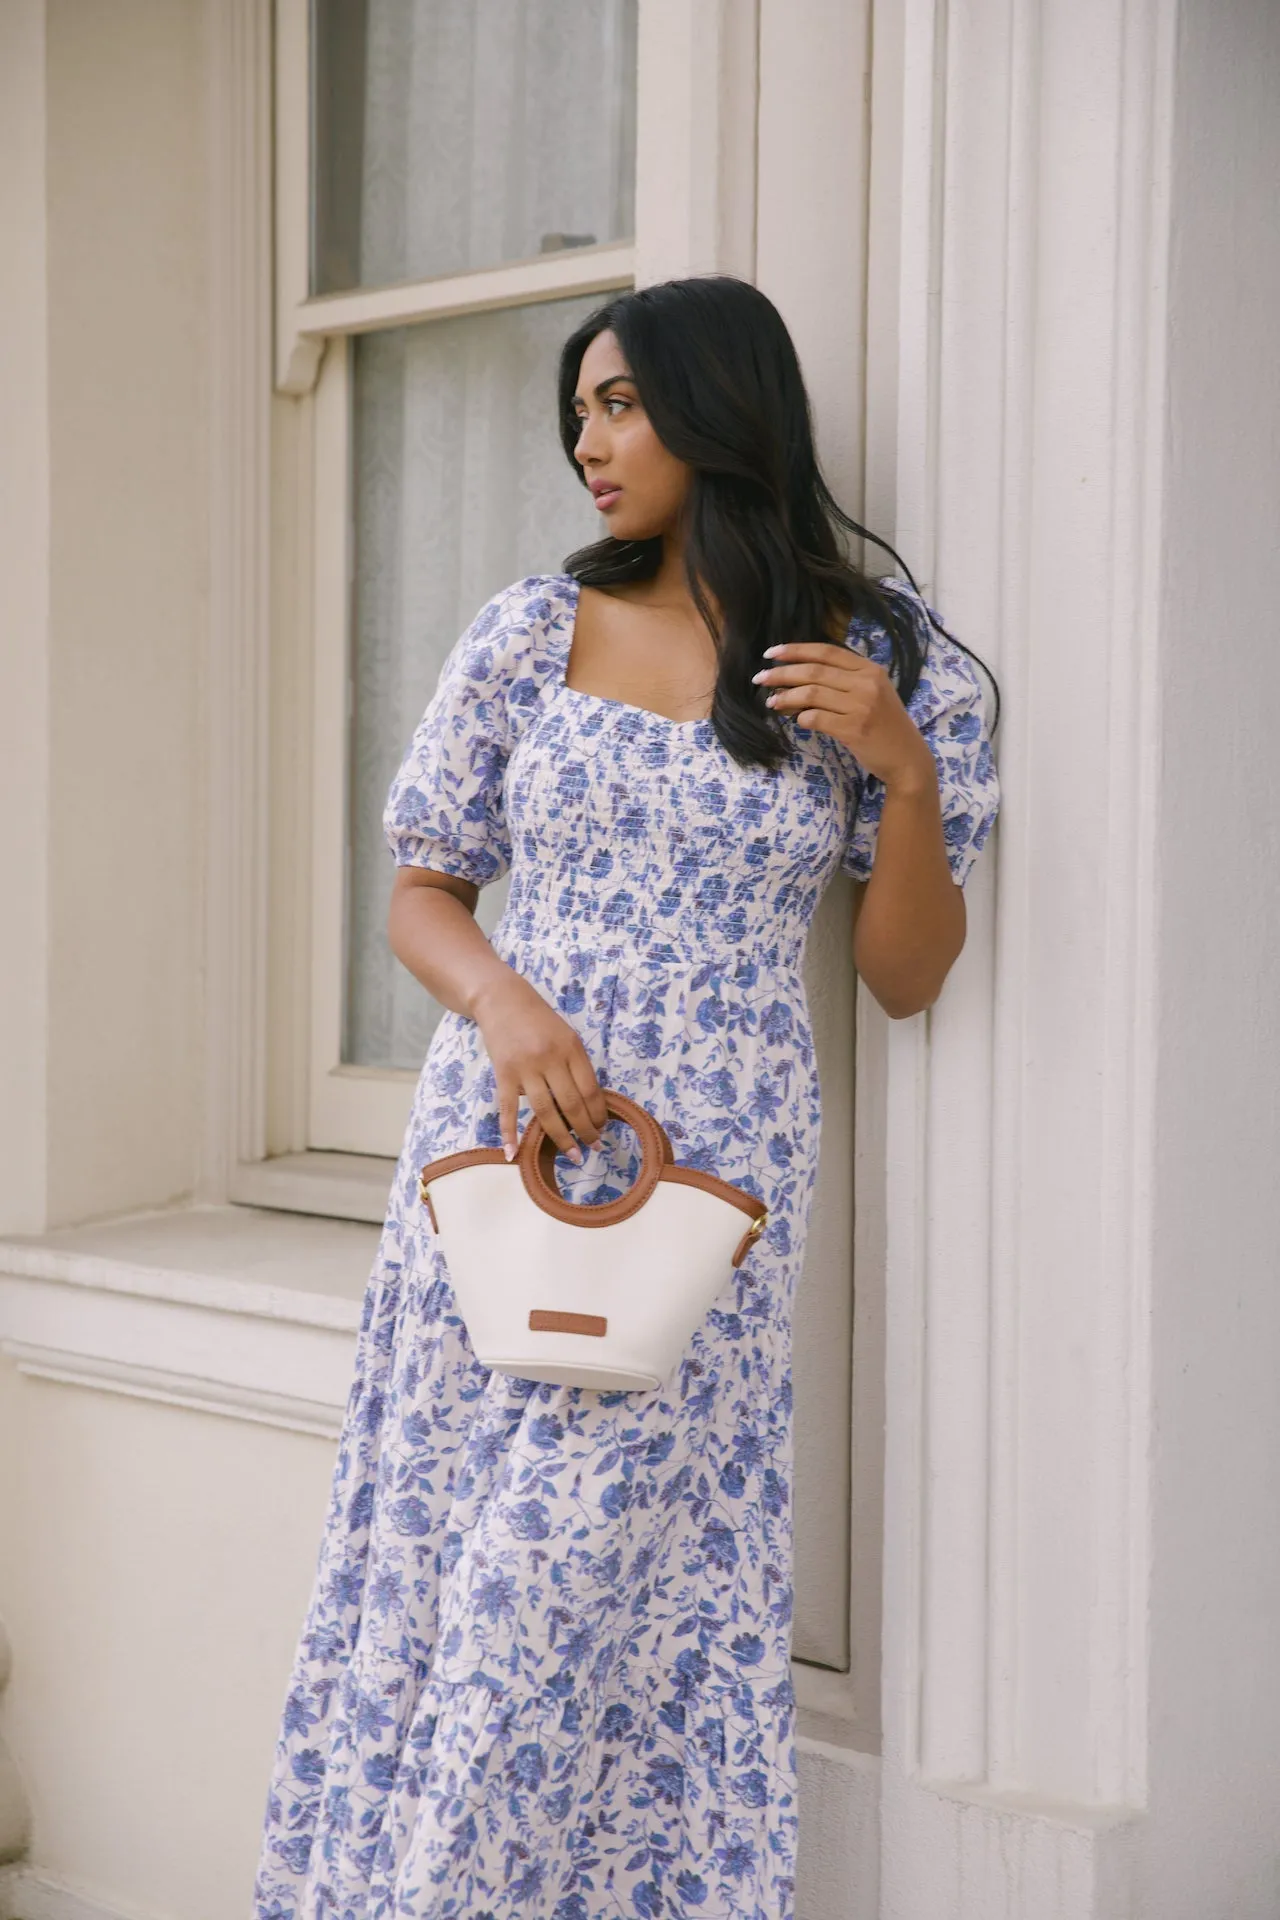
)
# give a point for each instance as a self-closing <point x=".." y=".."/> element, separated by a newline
<point x="544" y="1320"/>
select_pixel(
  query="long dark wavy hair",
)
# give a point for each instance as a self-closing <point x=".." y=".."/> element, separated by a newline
<point x="718" y="376"/>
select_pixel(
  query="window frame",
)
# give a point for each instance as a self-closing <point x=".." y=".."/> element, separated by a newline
<point x="695" y="186"/>
<point x="350" y="1108"/>
<point x="698" y="128"/>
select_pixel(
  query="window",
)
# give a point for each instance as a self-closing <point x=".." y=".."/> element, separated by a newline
<point x="446" y="209"/>
<point x="446" y="193"/>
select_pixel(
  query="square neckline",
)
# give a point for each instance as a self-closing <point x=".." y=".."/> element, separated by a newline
<point x="605" y="699"/>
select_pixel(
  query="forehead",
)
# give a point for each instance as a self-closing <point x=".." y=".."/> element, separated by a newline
<point x="602" y="360"/>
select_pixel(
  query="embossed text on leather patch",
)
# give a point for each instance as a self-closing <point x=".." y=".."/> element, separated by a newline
<point x="546" y="1320"/>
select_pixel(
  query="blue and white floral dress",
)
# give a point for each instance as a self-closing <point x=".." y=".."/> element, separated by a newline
<point x="545" y="1672"/>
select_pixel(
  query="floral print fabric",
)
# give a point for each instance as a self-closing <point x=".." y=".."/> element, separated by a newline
<point x="545" y="1671"/>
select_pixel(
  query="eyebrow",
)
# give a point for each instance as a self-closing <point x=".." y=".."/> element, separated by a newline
<point x="602" y="386"/>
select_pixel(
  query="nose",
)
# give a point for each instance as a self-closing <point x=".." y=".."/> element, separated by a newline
<point x="584" y="447"/>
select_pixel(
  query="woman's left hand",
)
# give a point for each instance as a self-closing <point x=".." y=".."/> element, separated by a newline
<point x="836" y="690"/>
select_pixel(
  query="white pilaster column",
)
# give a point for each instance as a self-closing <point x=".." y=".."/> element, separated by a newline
<point x="1018" y="304"/>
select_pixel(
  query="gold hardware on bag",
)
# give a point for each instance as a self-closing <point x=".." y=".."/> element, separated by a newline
<point x="757" y="1226"/>
<point x="425" y="1196"/>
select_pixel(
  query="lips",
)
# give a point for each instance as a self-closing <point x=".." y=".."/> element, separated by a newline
<point x="604" y="492"/>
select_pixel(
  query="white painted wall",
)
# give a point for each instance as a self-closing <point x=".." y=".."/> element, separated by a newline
<point x="1214" y="1845"/>
<point x="24" y="615"/>
<point x="105" y="592"/>
<point x="154" y="1569"/>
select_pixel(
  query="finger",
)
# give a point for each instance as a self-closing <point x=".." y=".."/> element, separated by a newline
<point x="816" y="672"/>
<point x="539" y="1095"/>
<point x="798" y="652"/>
<point x="592" y="1092"/>
<point x="571" y="1100"/>
<point x="810" y="694"/>
<point x="508" y="1112"/>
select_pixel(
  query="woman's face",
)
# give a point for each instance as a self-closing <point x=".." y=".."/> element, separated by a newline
<point x="639" y="487"/>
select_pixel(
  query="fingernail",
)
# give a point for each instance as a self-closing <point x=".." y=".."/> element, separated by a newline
<point x="770" y="651"/>
<point x="761" y="675"/>
<point x="575" y="1154"/>
<point x="508" y="1150"/>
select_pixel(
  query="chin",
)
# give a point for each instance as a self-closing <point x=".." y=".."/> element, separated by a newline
<point x="629" y="526"/>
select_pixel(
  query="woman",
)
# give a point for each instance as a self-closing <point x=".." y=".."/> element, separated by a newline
<point x="546" y="1668"/>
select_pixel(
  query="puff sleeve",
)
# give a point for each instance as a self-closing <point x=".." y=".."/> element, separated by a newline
<point x="947" y="707"/>
<point x="445" y="808"/>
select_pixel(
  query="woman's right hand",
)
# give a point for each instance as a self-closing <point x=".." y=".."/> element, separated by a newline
<point x="537" y="1053"/>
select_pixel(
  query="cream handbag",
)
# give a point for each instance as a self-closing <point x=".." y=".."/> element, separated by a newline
<point x="604" y="1296"/>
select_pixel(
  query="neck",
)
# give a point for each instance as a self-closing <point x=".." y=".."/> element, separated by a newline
<point x="670" y="582"/>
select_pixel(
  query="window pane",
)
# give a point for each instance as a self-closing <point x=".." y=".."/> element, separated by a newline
<point x="461" y="486"/>
<point x="455" y="134"/>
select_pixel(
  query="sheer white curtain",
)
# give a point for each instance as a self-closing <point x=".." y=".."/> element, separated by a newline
<point x="493" y="128"/>
<point x="460" y="487"/>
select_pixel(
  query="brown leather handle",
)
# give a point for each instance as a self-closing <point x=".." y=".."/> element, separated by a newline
<point x="536" y="1157"/>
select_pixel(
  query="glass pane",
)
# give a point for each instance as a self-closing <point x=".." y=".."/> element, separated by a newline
<point x="461" y="486"/>
<point x="455" y="134"/>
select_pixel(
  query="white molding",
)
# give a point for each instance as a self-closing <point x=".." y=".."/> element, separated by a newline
<point x="28" y="1893"/>
<point x="1017" y="302"/>
<point x="331" y="642"/>
<point x="273" y="1371"/>
<point x="292" y="668"/>
<point x="303" y="324"/>
<point x="359" y="1110"/>
<point x="297" y="360"/>
<point x="80" y="1275"/>
<point x="111" y="1308"/>
<point x="518" y="283"/>
<point x="340" y="1186"/>
<point x="230" y="1399"/>
<point x="237" y="658"/>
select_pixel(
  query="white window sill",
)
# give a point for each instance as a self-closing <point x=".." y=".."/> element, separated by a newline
<point x="339" y="1186"/>
<point x="225" y="1310"/>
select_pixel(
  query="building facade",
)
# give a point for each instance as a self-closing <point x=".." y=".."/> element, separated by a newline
<point x="273" y="423"/>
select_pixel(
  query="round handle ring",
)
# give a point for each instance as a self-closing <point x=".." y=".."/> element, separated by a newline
<point x="536" y="1158"/>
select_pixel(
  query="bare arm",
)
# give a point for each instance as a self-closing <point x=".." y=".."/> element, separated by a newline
<point x="432" y="930"/>
<point x="909" y="919"/>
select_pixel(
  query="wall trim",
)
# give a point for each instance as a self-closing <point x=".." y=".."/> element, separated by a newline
<point x="247" y="1349"/>
<point x="237" y="670"/>
<point x="235" y="1402"/>
<point x="1018" y="266"/>
<point x="28" y="1893"/>
<point x="339" y="1186"/>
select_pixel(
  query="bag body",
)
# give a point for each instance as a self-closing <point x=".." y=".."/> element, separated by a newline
<point x="604" y="1296"/>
